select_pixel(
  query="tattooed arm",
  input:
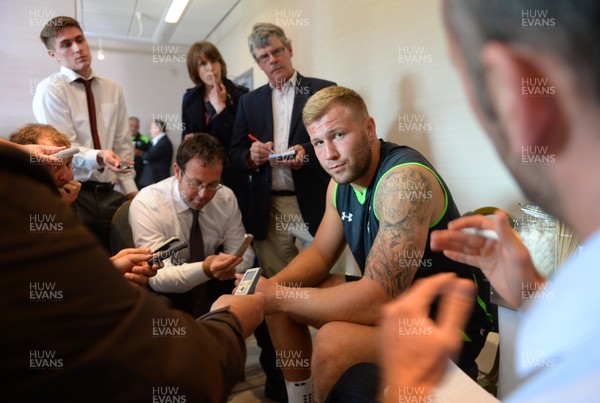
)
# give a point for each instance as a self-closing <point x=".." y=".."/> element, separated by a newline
<point x="408" y="200"/>
<point x="404" y="224"/>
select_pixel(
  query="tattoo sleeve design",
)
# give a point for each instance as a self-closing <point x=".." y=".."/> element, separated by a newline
<point x="403" y="205"/>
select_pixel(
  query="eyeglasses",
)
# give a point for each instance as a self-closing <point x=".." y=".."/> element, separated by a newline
<point x="194" y="184"/>
<point x="275" y="53"/>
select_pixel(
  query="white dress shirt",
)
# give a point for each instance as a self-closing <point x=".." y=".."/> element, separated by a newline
<point x="157" y="138"/>
<point x="283" y="103"/>
<point x="557" y="341"/>
<point x="158" y="212"/>
<point x="60" y="101"/>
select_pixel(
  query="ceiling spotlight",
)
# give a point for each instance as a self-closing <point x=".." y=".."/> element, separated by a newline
<point x="175" y="10"/>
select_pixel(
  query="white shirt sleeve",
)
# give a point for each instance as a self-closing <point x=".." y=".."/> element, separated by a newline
<point x="51" y="107"/>
<point x="150" y="221"/>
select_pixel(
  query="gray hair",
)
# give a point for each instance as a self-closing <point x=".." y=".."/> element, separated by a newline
<point x="261" y="36"/>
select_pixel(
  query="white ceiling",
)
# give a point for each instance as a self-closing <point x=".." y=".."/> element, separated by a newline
<point x="116" y="22"/>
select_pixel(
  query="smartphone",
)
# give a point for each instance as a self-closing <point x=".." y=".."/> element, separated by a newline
<point x="165" y="254"/>
<point x="68" y="153"/>
<point x="248" y="282"/>
<point x="164" y="245"/>
<point x="284" y="156"/>
<point x="244" y="245"/>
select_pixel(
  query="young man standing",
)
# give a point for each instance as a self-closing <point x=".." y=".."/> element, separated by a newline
<point x="90" y="110"/>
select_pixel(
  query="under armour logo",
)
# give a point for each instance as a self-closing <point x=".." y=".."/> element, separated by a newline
<point x="344" y="216"/>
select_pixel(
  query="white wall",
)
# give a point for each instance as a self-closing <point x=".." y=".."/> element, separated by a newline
<point x="357" y="44"/>
<point x="353" y="42"/>
<point x="153" y="80"/>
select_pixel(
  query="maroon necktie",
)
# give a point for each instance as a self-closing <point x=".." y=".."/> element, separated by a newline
<point x="199" y="295"/>
<point x="89" y="95"/>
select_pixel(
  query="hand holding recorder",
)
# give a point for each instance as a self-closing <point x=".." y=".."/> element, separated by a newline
<point x="249" y="309"/>
<point x="133" y="263"/>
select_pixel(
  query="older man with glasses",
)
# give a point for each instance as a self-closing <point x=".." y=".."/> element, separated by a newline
<point x="194" y="206"/>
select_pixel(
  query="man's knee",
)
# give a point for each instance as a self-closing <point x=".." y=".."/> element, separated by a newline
<point x="327" y="346"/>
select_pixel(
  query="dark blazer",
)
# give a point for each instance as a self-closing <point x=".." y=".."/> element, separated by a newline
<point x="103" y="340"/>
<point x="193" y="111"/>
<point x="255" y="116"/>
<point x="157" y="162"/>
<point x="140" y="143"/>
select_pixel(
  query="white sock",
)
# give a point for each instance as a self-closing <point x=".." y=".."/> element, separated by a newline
<point x="300" y="391"/>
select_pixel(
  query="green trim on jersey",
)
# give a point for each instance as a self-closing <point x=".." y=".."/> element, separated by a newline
<point x="482" y="303"/>
<point x="423" y="166"/>
<point x="335" y="195"/>
<point x="360" y="197"/>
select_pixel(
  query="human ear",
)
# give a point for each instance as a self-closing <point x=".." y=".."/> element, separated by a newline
<point x="369" y="127"/>
<point x="521" y="89"/>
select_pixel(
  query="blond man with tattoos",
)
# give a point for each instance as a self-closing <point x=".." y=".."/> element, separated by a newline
<point x="383" y="202"/>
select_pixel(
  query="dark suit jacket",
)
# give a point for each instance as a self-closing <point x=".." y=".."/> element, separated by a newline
<point x="255" y="116"/>
<point x="157" y="162"/>
<point x="193" y="112"/>
<point x="141" y="143"/>
<point x="98" y="340"/>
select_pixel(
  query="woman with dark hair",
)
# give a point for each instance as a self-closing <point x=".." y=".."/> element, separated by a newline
<point x="211" y="105"/>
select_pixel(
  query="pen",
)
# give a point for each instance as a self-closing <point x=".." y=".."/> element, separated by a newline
<point x="251" y="137"/>
<point x="486" y="233"/>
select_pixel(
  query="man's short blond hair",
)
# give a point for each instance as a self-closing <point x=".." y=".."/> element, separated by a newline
<point x="320" y="103"/>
